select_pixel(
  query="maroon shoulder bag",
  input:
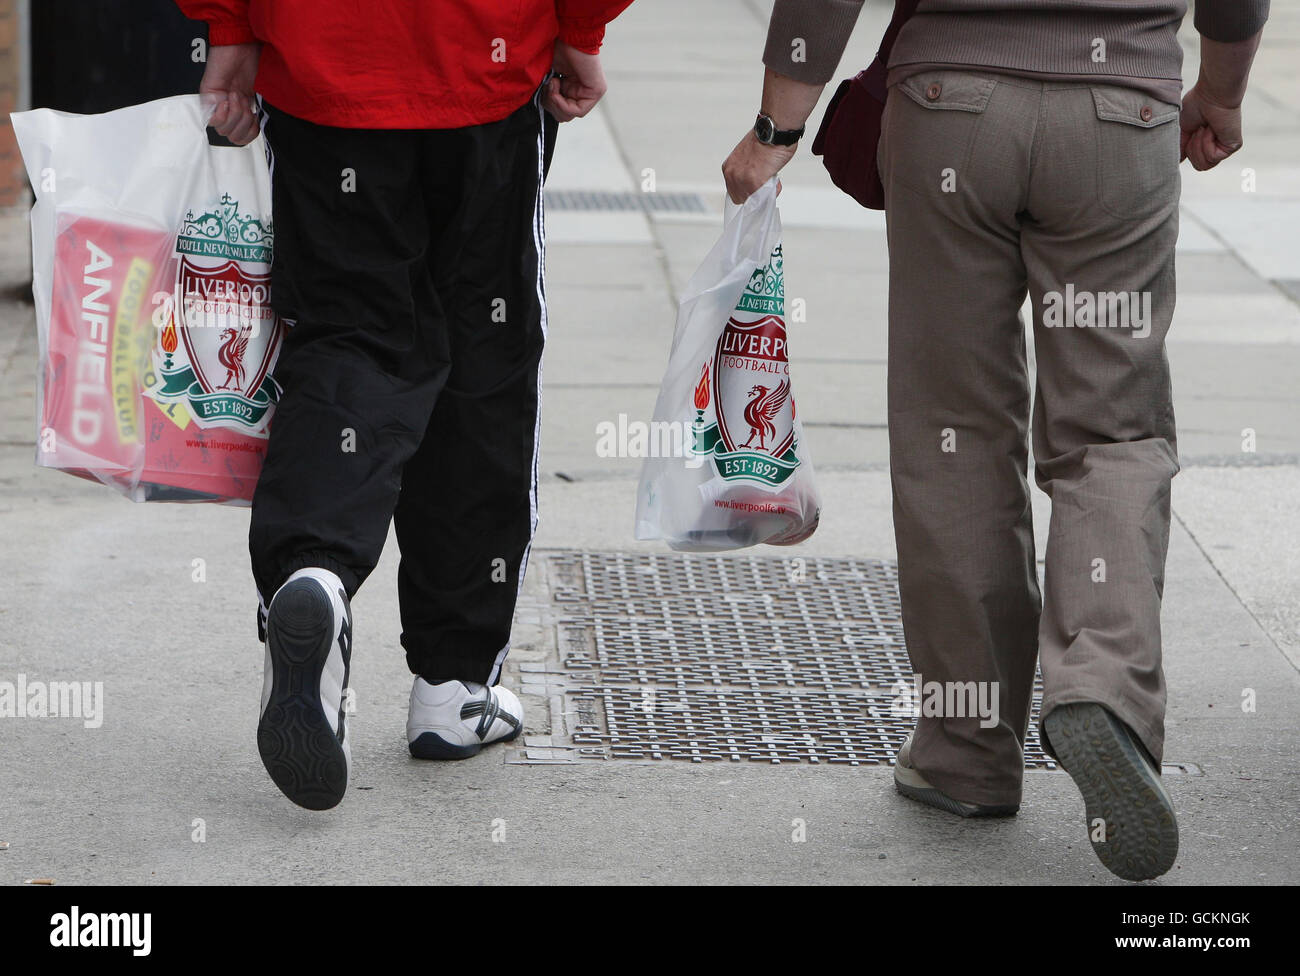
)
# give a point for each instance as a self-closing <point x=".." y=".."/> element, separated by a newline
<point x="850" y="130"/>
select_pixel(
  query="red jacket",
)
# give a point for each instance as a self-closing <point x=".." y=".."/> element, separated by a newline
<point x="403" y="64"/>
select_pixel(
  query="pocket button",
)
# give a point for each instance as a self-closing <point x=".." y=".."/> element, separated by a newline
<point x="933" y="91"/>
<point x="1146" y="113"/>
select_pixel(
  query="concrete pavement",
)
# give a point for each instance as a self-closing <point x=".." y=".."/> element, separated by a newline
<point x="170" y="788"/>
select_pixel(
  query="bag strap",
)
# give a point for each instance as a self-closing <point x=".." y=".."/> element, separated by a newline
<point x="872" y="78"/>
<point x="903" y="10"/>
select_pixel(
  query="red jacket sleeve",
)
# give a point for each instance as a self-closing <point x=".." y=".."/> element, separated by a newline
<point x="582" y="22"/>
<point x="227" y="19"/>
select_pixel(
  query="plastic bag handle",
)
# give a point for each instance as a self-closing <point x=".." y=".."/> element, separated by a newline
<point x="729" y="209"/>
<point x="209" y="106"/>
<point x="215" y="138"/>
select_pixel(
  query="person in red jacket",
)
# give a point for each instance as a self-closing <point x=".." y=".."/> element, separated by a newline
<point x="408" y="145"/>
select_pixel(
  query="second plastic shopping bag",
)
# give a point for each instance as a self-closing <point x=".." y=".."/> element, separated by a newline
<point x="744" y="476"/>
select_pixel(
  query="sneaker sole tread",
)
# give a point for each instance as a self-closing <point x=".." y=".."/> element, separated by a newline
<point x="300" y="751"/>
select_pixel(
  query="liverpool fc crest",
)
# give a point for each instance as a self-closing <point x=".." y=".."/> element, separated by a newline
<point x="221" y="313"/>
<point x="753" y="436"/>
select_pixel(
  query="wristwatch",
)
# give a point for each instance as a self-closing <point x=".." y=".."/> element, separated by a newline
<point x="768" y="134"/>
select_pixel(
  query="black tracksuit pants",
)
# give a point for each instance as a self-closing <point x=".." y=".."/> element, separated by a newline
<point x="410" y="264"/>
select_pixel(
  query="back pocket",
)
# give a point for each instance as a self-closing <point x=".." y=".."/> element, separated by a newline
<point x="926" y="147"/>
<point x="1137" y="152"/>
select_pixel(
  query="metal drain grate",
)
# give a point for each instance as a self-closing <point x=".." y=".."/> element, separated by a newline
<point x="707" y="658"/>
<point x="597" y="200"/>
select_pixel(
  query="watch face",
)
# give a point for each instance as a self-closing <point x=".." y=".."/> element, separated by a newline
<point x="764" y="128"/>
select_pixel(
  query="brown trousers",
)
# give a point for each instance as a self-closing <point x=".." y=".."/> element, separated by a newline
<point x="996" y="185"/>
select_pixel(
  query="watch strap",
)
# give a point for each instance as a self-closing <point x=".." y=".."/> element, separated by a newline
<point x="779" y="137"/>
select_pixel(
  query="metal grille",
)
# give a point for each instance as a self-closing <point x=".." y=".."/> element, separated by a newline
<point x="597" y="200"/>
<point x="709" y="658"/>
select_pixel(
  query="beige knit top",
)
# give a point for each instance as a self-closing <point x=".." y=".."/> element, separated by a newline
<point x="1128" y="42"/>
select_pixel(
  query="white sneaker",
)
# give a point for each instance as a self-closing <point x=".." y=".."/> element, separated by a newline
<point x="302" y="734"/>
<point x="455" y="719"/>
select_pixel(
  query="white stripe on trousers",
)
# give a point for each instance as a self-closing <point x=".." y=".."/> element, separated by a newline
<point x="263" y="600"/>
<point x="539" y="244"/>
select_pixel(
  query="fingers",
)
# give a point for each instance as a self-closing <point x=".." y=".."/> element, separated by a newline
<point x="1196" y="149"/>
<point x="1204" y="149"/>
<point x="1192" y="147"/>
<point x="220" y="117"/>
<point x="236" y="118"/>
<point x="560" y="107"/>
<point x="1217" y="151"/>
<point x="741" y="190"/>
<point x="572" y="98"/>
<point x="244" y="124"/>
<point x="739" y="179"/>
<point x="558" y="111"/>
<point x="740" y="183"/>
<point x="246" y="130"/>
<point x="751" y="164"/>
<point x="568" y="109"/>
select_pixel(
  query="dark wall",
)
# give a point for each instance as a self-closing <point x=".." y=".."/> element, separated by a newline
<point x="98" y="55"/>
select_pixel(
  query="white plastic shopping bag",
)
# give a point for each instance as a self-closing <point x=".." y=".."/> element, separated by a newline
<point x="744" y="476"/>
<point x="151" y="273"/>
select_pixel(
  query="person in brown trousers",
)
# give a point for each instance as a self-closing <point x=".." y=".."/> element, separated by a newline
<point x="1030" y="147"/>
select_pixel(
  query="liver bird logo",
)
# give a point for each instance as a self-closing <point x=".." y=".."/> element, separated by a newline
<point x="761" y="410"/>
<point x="234" y="343"/>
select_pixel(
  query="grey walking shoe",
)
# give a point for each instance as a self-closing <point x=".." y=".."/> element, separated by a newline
<point x="913" y="785"/>
<point x="1122" y="793"/>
